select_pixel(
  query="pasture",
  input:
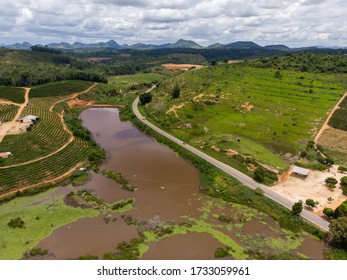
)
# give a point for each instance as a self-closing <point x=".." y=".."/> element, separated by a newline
<point x="264" y="114"/>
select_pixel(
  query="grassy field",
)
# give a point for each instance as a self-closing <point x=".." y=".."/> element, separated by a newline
<point x="62" y="88"/>
<point x="126" y="81"/>
<point x="13" y="94"/>
<point x="256" y="112"/>
<point x="41" y="215"/>
<point x="7" y="112"/>
<point x="119" y="88"/>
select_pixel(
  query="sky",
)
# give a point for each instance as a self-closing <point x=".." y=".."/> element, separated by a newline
<point x="295" y="23"/>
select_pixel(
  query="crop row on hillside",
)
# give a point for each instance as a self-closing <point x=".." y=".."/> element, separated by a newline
<point x="43" y="170"/>
<point x="7" y="112"/>
<point x="13" y="94"/>
<point x="62" y="88"/>
<point x="46" y="136"/>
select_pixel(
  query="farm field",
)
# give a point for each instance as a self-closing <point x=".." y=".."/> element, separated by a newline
<point x="48" y="149"/>
<point x="43" y="170"/>
<point x="62" y="88"/>
<point x="7" y="112"/>
<point x="264" y="114"/>
<point x="13" y="94"/>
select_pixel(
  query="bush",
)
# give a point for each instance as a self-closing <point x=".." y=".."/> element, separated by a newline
<point x="259" y="191"/>
<point x="38" y="252"/>
<point x="221" y="253"/>
<point x="145" y="98"/>
<point x="310" y="202"/>
<point x="328" y="212"/>
<point x="122" y="204"/>
<point x="342" y="168"/>
<point x="343" y="181"/>
<point x="331" y="186"/>
<point x="88" y="257"/>
<point x="330" y="180"/>
<point x="176" y="91"/>
<point x="16" y="223"/>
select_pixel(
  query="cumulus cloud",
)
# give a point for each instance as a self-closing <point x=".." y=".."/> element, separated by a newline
<point x="292" y="22"/>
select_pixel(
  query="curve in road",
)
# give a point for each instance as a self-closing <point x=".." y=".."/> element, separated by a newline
<point x="244" y="179"/>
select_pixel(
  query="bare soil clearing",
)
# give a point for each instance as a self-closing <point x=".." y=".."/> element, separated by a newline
<point x="314" y="187"/>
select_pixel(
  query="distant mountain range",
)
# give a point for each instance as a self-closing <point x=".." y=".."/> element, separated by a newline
<point x="187" y="44"/>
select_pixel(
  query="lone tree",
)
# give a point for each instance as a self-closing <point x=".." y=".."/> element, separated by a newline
<point x="297" y="208"/>
<point x="145" y="98"/>
<point x="176" y="91"/>
<point x="310" y="202"/>
<point x="337" y="235"/>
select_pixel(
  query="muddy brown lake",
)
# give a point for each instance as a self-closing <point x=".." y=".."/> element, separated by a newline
<point x="168" y="189"/>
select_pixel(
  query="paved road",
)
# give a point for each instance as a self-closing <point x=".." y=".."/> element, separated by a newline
<point x="244" y="179"/>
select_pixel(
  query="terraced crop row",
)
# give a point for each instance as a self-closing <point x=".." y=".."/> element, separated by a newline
<point x="62" y="88"/>
<point x="8" y="112"/>
<point x="46" y="136"/>
<point x="44" y="103"/>
<point x="43" y="170"/>
<point x="13" y="94"/>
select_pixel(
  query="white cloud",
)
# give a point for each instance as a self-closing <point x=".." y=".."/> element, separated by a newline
<point x="292" y="22"/>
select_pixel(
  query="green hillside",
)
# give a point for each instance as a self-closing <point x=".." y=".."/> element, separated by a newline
<point x="266" y="115"/>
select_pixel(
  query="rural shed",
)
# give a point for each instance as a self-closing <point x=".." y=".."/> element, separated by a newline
<point x="303" y="172"/>
<point x="5" y="154"/>
<point x="28" y="119"/>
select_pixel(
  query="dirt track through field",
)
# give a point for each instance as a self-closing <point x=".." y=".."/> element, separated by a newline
<point x="64" y="126"/>
<point x="326" y="125"/>
<point x="20" y="110"/>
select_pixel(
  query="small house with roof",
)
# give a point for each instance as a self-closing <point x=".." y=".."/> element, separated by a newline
<point x="29" y="119"/>
<point x="301" y="172"/>
<point x="5" y="154"/>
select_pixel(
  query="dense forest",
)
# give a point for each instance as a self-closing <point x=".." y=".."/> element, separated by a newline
<point x="28" y="68"/>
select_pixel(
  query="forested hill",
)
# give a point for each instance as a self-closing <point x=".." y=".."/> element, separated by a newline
<point x="27" y="68"/>
<point x="305" y="62"/>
